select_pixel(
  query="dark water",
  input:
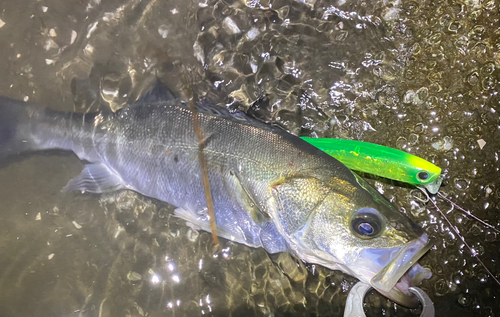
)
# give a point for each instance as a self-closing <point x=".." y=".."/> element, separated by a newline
<point x="422" y="76"/>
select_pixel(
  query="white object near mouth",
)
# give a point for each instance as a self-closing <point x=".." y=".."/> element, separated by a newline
<point x="354" y="304"/>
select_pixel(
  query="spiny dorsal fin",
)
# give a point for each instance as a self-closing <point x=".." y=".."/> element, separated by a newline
<point x="158" y="93"/>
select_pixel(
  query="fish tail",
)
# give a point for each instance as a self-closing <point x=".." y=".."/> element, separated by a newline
<point x="15" y="132"/>
<point x="25" y="127"/>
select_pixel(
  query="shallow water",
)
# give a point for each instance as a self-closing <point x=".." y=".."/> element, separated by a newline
<point x="419" y="76"/>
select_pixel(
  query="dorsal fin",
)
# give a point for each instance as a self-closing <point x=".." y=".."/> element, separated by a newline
<point x="158" y="93"/>
<point x="208" y="108"/>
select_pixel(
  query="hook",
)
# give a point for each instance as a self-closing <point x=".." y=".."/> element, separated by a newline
<point x="355" y="299"/>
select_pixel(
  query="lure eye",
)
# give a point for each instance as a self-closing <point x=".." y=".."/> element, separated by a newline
<point x="422" y="176"/>
<point x="366" y="223"/>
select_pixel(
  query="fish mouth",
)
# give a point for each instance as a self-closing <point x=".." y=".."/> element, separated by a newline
<point x="402" y="272"/>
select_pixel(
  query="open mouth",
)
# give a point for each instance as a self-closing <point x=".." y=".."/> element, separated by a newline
<point x="403" y="272"/>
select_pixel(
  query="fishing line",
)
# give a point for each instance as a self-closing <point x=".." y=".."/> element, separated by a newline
<point x="473" y="252"/>
<point x="467" y="212"/>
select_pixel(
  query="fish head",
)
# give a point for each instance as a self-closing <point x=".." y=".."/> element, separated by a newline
<point x="345" y="224"/>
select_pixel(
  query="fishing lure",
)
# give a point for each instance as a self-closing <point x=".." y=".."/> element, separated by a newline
<point x="382" y="161"/>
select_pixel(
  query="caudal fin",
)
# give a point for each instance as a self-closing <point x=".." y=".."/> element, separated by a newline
<point x="15" y="132"/>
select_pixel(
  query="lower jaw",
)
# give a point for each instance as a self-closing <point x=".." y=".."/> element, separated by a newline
<point x="413" y="277"/>
<point x="405" y="261"/>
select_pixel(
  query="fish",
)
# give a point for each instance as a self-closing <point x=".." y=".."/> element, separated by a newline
<point x="270" y="189"/>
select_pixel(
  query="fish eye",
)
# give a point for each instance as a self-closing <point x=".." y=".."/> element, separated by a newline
<point x="365" y="228"/>
<point x="366" y="223"/>
<point x="422" y="176"/>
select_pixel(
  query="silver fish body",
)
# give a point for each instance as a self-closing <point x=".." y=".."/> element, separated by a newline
<point x="270" y="188"/>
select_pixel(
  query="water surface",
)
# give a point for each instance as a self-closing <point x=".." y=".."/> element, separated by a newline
<point x="421" y="76"/>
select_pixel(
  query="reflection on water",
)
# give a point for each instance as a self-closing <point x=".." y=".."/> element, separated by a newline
<point x="419" y="76"/>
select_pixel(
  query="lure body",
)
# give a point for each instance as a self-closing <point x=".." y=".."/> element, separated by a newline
<point x="382" y="161"/>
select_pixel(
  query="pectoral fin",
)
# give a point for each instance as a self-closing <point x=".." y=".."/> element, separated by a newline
<point x="95" y="178"/>
<point x="198" y="223"/>
<point x="244" y="199"/>
<point x="267" y="236"/>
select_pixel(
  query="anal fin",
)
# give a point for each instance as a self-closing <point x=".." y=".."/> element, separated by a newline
<point x="95" y="178"/>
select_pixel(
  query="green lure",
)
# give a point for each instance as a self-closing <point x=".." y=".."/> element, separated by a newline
<point x="382" y="161"/>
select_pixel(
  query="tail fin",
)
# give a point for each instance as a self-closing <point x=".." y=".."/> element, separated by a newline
<point x="15" y="131"/>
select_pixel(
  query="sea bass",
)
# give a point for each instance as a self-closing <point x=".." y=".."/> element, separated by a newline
<point x="270" y="188"/>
